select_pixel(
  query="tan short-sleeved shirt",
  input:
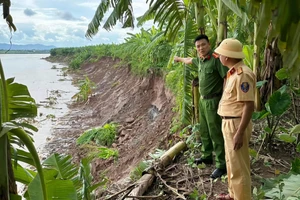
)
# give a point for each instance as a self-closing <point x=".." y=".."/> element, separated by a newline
<point x="239" y="87"/>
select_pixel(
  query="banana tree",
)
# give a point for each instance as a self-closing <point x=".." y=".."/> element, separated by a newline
<point x="277" y="23"/>
<point x="15" y="103"/>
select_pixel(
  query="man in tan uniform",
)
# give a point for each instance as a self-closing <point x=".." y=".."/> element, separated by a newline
<point x="235" y="108"/>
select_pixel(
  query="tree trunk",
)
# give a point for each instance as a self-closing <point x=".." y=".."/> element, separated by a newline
<point x="273" y="62"/>
<point x="143" y="184"/>
<point x="222" y="22"/>
<point x="4" y="187"/>
<point x="256" y="61"/>
<point x="200" y="11"/>
<point x="168" y="156"/>
<point x="196" y="110"/>
<point x="11" y="177"/>
<point x="147" y="179"/>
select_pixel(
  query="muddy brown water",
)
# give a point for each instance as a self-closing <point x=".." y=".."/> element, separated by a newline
<point x="48" y="85"/>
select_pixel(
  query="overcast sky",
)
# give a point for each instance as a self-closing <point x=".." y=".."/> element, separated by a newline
<point x="61" y="23"/>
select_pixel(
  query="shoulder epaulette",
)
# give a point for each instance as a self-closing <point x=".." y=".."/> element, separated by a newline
<point x="215" y="55"/>
<point x="239" y="70"/>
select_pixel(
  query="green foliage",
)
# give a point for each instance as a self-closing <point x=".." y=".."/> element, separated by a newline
<point x="137" y="172"/>
<point x="248" y="51"/>
<point x="258" y="194"/>
<point x="278" y="103"/>
<point x="64" y="181"/>
<point x="276" y="107"/>
<point x="106" y="153"/>
<point x="286" y="188"/>
<point x="144" y="165"/>
<point x="102" y="135"/>
<point x="95" y="151"/>
<point x="145" y="50"/>
<point x="196" y="196"/>
<point x="86" y="178"/>
<point x="85" y="89"/>
<point x="16" y="103"/>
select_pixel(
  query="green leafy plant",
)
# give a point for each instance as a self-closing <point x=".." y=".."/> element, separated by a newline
<point x="196" y="196"/>
<point x="142" y="166"/>
<point x="106" y="153"/>
<point x="68" y="181"/>
<point x="102" y="135"/>
<point x="276" y="107"/>
<point x="85" y="89"/>
<point x="137" y="172"/>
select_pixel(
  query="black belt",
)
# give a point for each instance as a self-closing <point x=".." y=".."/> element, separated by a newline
<point x="229" y="117"/>
<point x="210" y="96"/>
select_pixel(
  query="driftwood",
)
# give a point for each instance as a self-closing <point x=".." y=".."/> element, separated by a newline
<point x="147" y="179"/>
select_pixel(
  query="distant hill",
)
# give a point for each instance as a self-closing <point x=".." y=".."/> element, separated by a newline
<point x="25" y="47"/>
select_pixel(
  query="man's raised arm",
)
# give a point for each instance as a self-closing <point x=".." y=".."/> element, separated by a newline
<point x="183" y="60"/>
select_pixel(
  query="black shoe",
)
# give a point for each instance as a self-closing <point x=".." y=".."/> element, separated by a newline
<point x="218" y="173"/>
<point x="203" y="160"/>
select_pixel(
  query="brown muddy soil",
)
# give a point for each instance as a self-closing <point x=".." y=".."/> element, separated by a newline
<point x="142" y="106"/>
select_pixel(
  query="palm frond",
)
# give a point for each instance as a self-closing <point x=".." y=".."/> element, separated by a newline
<point x="147" y="16"/>
<point x="63" y="164"/>
<point x="122" y="11"/>
<point x="168" y="13"/>
<point x="98" y="17"/>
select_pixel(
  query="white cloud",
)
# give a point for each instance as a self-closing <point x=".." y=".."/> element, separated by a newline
<point x="61" y="23"/>
<point x="91" y="5"/>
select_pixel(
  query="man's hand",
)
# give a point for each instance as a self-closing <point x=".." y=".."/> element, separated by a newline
<point x="176" y="59"/>
<point x="183" y="60"/>
<point x="237" y="141"/>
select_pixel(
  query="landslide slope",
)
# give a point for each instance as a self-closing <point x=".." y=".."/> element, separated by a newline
<point x="142" y="106"/>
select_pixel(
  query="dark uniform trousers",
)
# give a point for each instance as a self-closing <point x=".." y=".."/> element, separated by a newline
<point x="210" y="130"/>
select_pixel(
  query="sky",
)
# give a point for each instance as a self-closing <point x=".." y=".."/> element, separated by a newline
<point x="61" y="23"/>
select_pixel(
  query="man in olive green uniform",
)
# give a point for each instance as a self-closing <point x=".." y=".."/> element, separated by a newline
<point x="211" y="78"/>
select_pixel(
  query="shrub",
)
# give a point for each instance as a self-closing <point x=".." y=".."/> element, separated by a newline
<point x="101" y="135"/>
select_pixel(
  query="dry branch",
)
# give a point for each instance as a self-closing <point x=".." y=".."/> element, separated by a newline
<point x="175" y="191"/>
<point x="130" y="187"/>
<point x="146" y="180"/>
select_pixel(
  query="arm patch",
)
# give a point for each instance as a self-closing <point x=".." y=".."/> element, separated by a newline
<point x="239" y="70"/>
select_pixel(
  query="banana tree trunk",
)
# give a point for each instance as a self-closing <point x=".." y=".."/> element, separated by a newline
<point x="256" y="60"/>
<point x="196" y="110"/>
<point x="147" y="179"/>
<point x="222" y="22"/>
<point x="4" y="189"/>
<point x="273" y="62"/>
<point x="200" y="11"/>
<point x="168" y="156"/>
<point x="4" y="183"/>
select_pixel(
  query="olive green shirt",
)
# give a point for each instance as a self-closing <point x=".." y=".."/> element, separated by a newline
<point x="211" y="74"/>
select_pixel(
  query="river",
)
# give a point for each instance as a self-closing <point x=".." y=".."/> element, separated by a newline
<point x="44" y="80"/>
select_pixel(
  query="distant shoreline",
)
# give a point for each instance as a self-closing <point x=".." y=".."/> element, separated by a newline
<point x="24" y="51"/>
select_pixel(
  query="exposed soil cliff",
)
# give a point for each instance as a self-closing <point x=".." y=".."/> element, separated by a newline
<point x="141" y="106"/>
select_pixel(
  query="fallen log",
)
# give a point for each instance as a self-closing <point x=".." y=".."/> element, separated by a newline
<point x="147" y="179"/>
<point x="168" y="156"/>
